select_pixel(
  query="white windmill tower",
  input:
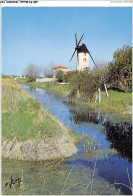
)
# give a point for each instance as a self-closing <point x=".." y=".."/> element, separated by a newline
<point x="82" y="55"/>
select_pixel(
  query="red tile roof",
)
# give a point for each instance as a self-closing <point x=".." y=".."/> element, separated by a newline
<point x="60" y="67"/>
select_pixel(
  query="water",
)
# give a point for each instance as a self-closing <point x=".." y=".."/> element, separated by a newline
<point x="114" y="158"/>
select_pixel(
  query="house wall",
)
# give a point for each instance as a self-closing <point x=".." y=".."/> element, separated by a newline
<point x="45" y="79"/>
<point x="83" y="61"/>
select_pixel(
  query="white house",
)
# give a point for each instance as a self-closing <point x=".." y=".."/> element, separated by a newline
<point x="59" y="68"/>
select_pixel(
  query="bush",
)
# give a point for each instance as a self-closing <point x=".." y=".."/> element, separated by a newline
<point x="82" y="85"/>
<point x="87" y="87"/>
<point x="65" y="77"/>
<point x="59" y="76"/>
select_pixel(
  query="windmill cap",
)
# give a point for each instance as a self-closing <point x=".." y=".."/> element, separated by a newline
<point x="83" y="48"/>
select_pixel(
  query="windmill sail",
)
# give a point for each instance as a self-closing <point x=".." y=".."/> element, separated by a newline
<point x="77" y="45"/>
<point x="76" y="39"/>
<point x="92" y="59"/>
<point x="80" y="39"/>
<point x="72" y="55"/>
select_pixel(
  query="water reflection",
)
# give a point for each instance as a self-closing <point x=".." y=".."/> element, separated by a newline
<point x="118" y="134"/>
<point x="80" y="116"/>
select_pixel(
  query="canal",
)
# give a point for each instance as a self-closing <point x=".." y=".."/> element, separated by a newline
<point x="102" y="164"/>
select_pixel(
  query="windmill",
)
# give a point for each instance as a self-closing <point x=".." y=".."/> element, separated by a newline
<point x="82" y="55"/>
<point x="83" y="60"/>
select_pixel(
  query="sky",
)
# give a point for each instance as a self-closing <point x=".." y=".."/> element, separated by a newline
<point x="44" y="36"/>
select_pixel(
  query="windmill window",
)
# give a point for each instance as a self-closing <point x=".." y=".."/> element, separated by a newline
<point x="84" y="53"/>
<point x="84" y="60"/>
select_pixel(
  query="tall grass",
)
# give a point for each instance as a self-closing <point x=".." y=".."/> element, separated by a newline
<point x="12" y="93"/>
<point x="23" y="117"/>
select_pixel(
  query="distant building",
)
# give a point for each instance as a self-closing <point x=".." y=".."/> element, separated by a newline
<point x="19" y="77"/>
<point x="59" y="68"/>
<point x="45" y="79"/>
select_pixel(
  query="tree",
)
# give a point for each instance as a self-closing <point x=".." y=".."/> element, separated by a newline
<point x="75" y="83"/>
<point x="59" y="76"/>
<point x="99" y="73"/>
<point x="48" y="71"/>
<point x="32" y="72"/>
<point x="119" y="74"/>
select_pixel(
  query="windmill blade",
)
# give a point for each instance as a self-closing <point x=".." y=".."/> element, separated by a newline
<point x="72" y="55"/>
<point x="76" y="39"/>
<point x="80" y="39"/>
<point x="92" y="59"/>
<point x="76" y="44"/>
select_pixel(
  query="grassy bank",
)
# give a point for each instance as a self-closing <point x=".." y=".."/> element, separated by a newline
<point x="53" y="86"/>
<point x="117" y="102"/>
<point x="23" y="117"/>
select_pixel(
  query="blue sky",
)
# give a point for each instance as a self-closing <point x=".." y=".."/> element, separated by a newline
<point x="45" y="35"/>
